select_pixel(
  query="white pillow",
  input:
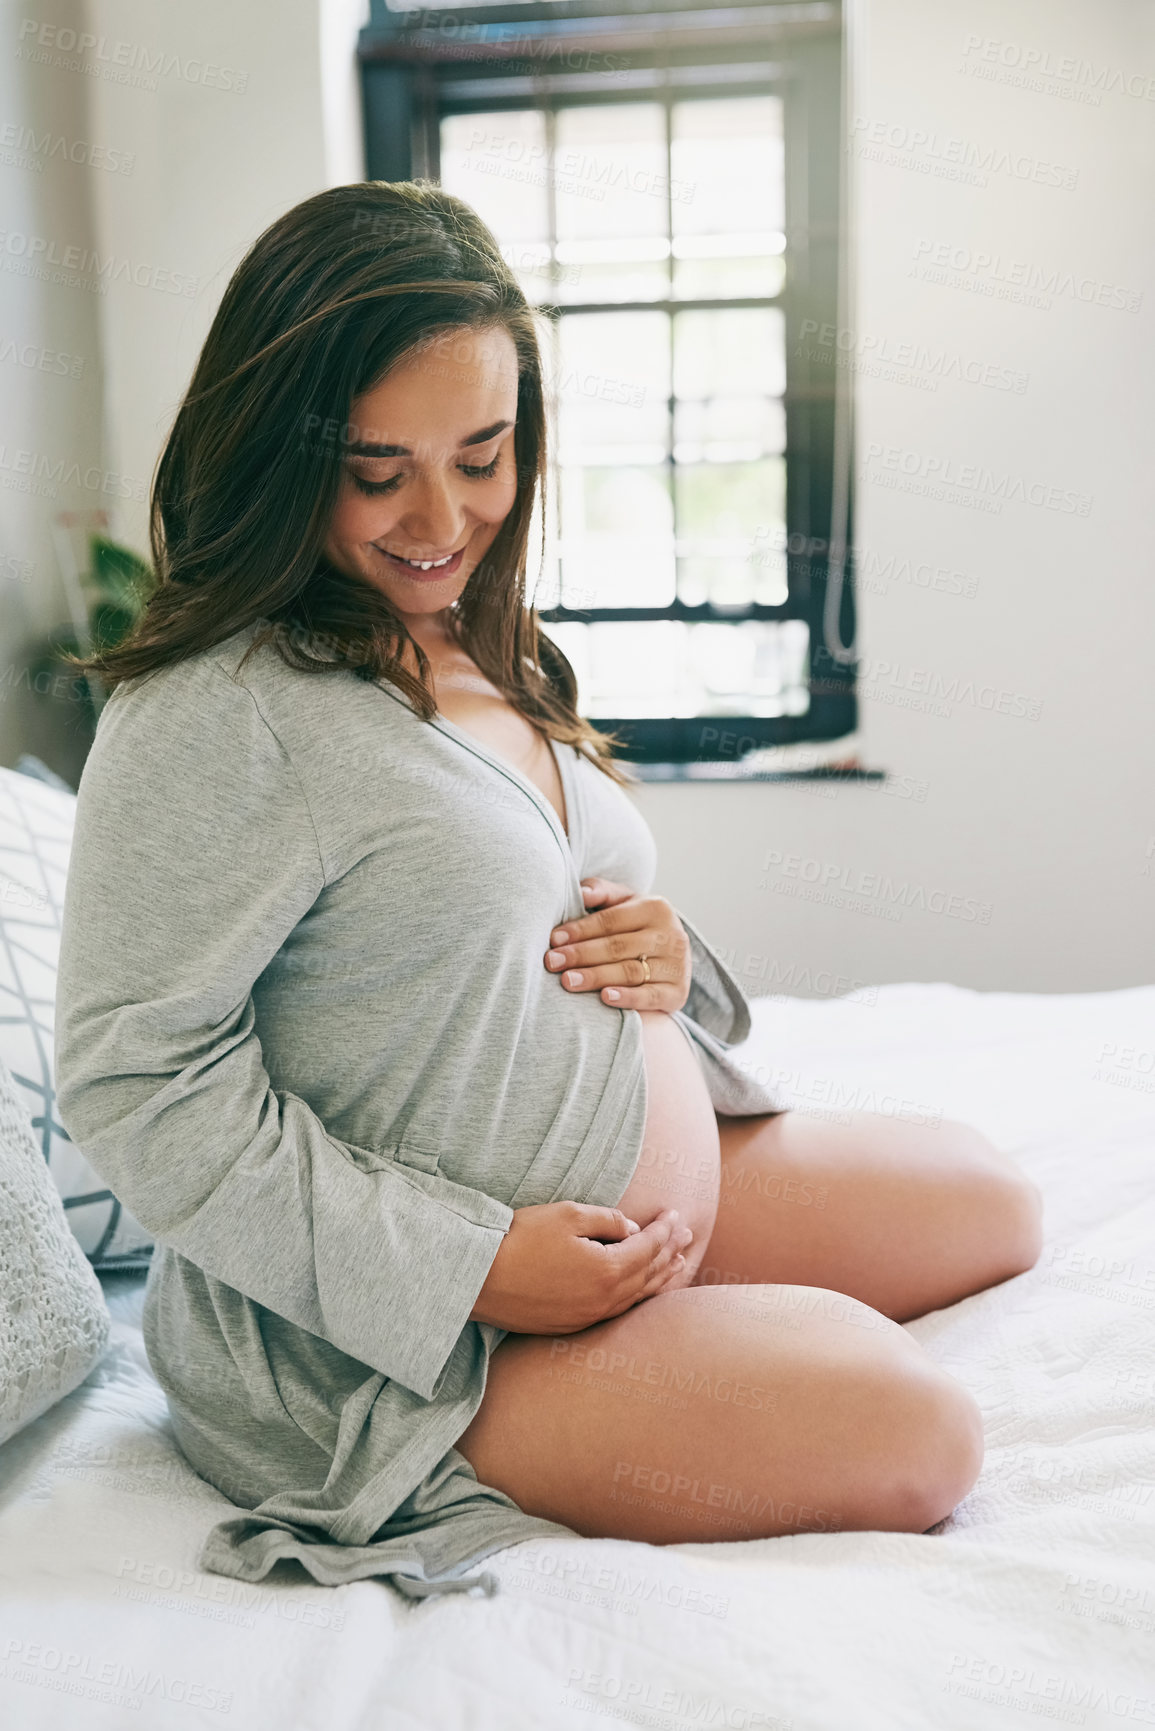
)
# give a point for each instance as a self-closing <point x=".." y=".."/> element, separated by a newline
<point x="54" y="1322"/>
<point x="35" y="837"/>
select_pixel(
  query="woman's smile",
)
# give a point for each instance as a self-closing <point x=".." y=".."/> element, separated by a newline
<point x="425" y="571"/>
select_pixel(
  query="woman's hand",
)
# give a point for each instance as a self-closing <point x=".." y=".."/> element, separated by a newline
<point x="563" y="1266"/>
<point x="603" y="952"/>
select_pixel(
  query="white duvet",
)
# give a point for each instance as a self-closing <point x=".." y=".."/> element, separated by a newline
<point x="1034" y="1601"/>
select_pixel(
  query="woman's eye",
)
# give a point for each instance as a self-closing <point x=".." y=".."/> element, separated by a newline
<point x="365" y="486"/>
<point x="485" y="473"/>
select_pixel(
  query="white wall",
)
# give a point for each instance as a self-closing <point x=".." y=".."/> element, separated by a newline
<point x="51" y="448"/>
<point x="1049" y="821"/>
<point x="221" y="116"/>
<point x="232" y="136"/>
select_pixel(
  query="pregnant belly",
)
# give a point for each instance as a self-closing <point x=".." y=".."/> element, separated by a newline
<point x="680" y="1162"/>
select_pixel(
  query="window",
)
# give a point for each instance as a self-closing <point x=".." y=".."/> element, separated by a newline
<point x="667" y="194"/>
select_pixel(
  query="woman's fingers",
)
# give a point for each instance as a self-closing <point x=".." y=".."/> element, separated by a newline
<point x="603" y="892"/>
<point x="635" y="1256"/>
<point x="607" y="1225"/>
<point x="644" y="1261"/>
<point x="602" y="952"/>
<point x="615" y="914"/>
<point x="640" y="938"/>
<point x="662" y="1277"/>
<point x="563" y="1266"/>
<point x="627" y="973"/>
<point x="651" y="997"/>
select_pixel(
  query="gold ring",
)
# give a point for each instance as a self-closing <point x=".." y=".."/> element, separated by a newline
<point x="645" y="961"/>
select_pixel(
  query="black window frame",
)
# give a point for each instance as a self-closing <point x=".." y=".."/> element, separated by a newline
<point x="420" y="65"/>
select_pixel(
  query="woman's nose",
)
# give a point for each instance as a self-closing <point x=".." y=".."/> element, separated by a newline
<point x="434" y="517"/>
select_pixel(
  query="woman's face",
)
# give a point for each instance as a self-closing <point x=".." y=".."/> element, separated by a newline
<point x="429" y="470"/>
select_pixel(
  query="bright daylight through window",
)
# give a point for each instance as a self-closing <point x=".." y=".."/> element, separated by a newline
<point x="656" y="233"/>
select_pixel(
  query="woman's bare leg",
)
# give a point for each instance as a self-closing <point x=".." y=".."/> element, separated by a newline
<point x="906" y="1217"/>
<point x="727" y="1413"/>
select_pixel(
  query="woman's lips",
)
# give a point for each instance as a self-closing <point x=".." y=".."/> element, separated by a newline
<point x="433" y="575"/>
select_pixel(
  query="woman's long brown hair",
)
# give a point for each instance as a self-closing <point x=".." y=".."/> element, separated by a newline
<point x="325" y="302"/>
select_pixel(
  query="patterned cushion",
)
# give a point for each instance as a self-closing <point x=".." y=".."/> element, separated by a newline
<point x="54" y="1323"/>
<point x="35" y="836"/>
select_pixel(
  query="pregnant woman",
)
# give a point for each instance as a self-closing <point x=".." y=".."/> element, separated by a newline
<point x="473" y="1221"/>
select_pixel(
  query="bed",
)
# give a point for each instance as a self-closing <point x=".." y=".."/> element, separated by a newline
<point x="1036" y="1598"/>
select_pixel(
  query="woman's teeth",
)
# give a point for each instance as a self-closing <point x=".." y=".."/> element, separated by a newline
<point x="422" y="564"/>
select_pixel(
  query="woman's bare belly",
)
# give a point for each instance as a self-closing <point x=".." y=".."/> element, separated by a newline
<point x="680" y="1163"/>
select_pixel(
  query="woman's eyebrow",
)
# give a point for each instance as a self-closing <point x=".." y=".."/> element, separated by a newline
<point x="363" y="450"/>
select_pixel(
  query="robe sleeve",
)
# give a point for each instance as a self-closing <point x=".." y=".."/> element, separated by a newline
<point x="742" y="1081"/>
<point x="194" y="856"/>
<point x="716" y="1001"/>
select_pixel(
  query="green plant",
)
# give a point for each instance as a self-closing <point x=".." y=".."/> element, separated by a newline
<point x="115" y="587"/>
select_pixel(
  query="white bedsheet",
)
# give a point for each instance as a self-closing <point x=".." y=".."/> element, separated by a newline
<point x="1035" y="1600"/>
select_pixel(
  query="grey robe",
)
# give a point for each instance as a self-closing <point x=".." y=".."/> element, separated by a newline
<point x="305" y="1034"/>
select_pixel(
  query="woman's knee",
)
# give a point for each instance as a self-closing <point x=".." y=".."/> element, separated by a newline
<point x="946" y="1447"/>
<point x="1021" y="1214"/>
<point x="1008" y="1203"/>
<point x="936" y="1447"/>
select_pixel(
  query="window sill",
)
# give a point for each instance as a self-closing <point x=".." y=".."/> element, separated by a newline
<point x="723" y="771"/>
